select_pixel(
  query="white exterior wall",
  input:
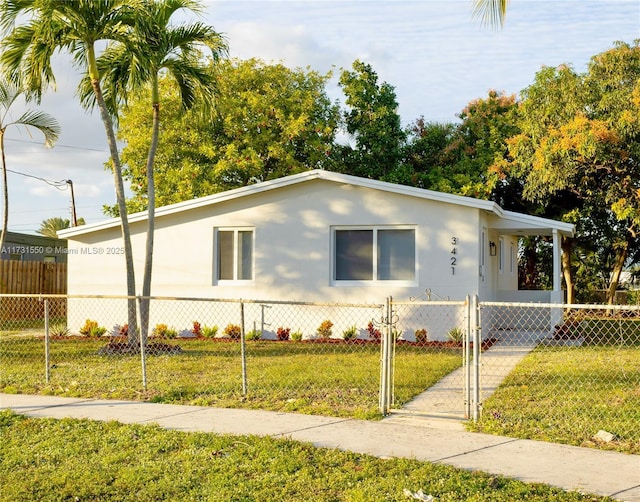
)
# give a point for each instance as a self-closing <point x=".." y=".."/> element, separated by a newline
<point x="293" y="219"/>
<point x="292" y="249"/>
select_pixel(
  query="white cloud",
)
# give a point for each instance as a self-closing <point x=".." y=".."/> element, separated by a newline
<point x="432" y="52"/>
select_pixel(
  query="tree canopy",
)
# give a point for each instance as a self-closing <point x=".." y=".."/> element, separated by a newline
<point x="50" y="226"/>
<point x="372" y="120"/>
<point x="579" y="140"/>
<point x="268" y="121"/>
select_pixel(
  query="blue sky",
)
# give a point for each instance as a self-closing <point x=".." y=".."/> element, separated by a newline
<point x="434" y="54"/>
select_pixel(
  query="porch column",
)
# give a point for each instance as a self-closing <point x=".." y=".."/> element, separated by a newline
<point x="557" y="265"/>
<point x="556" y="294"/>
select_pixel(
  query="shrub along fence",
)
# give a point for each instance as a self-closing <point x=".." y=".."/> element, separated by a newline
<point x="553" y="372"/>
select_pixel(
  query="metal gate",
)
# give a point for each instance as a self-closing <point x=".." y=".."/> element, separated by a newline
<point x="430" y="358"/>
<point x="513" y="367"/>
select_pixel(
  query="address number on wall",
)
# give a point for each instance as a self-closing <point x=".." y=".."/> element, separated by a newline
<point x="454" y="252"/>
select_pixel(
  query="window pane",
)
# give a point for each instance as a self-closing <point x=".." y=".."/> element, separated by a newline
<point x="354" y="255"/>
<point x="396" y="255"/>
<point x="225" y="255"/>
<point x="245" y="255"/>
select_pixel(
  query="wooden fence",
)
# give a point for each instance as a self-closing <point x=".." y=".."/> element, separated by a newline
<point x="31" y="278"/>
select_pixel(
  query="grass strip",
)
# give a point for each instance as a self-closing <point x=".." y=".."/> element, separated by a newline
<point x="69" y="459"/>
<point x="567" y="394"/>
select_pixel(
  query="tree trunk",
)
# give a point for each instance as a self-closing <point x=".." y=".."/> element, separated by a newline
<point x="528" y="271"/>
<point x="151" y="199"/>
<point x="622" y="252"/>
<point x="132" y="322"/>
<point x="567" y="246"/>
<point x="5" y="194"/>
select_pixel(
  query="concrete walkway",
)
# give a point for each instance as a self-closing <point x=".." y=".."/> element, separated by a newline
<point x="443" y="404"/>
<point x="568" y="467"/>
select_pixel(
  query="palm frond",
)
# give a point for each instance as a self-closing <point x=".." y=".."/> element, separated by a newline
<point x="9" y="92"/>
<point x="10" y="10"/>
<point x="42" y="121"/>
<point x="195" y="81"/>
<point x="490" y="12"/>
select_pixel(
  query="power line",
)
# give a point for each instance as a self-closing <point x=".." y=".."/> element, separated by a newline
<point x="43" y="210"/>
<point x="57" y="145"/>
<point x="60" y="185"/>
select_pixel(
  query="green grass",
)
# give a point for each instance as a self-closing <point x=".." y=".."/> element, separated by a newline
<point x="22" y="325"/>
<point x="606" y="331"/>
<point x="51" y="460"/>
<point x="567" y="394"/>
<point x="559" y="394"/>
<point x="335" y="379"/>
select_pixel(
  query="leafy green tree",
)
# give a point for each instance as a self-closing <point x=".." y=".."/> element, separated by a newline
<point x="580" y="137"/>
<point x="43" y="122"/>
<point x="269" y="121"/>
<point x="50" y="226"/>
<point x="456" y="158"/>
<point x="156" y="44"/>
<point x="481" y="140"/>
<point x="184" y="155"/>
<point x="427" y="154"/>
<point x="275" y="121"/>
<point x="372" y="120"/>
<point x="76" y="27"/>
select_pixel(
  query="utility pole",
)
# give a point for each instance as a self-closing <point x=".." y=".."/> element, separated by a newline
<point x="74" y="220"/>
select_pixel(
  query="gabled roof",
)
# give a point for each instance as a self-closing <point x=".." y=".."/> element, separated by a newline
<point x="519" y="221"/>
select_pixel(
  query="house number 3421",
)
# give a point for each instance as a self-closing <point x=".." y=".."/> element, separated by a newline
<point x="454" y="252"/>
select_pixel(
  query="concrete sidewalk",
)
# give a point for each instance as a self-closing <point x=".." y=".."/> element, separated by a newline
<point x="568" y="467"/>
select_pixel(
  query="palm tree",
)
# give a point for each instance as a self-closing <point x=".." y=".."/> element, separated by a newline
<point x="156" y="46"/>
<point x="50" y="226"/>
<point x="491" y="12"/>
<point x="39" y="120"/>
<point x="74" y="27"/>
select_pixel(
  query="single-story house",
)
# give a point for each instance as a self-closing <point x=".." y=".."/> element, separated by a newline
<point x="319" y="236"/>
<point x="28" y="247"/>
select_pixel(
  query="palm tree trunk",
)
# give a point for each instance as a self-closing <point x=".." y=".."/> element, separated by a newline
<point x="132" y="322"/>
<point x="151" y="200"/>
<point x="5" y="194"/>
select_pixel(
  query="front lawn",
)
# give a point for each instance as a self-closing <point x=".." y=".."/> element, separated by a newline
<point x="568" y="394"/>
<point x="51" y="460"/>
<point x="339" y="379"/>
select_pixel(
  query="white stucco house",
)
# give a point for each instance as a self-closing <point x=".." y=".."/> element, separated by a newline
<point x="319" y="236"/>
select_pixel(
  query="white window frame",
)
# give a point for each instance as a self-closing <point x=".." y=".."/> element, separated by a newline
<point x="500" y="255"/>
<point x="374" y="281"/>
<point x="216" y="259"/>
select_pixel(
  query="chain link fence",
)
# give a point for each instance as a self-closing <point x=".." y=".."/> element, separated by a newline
<point x="562" y="373"/>
<point x="432" y="352"/>
<point x="311" y="358"/>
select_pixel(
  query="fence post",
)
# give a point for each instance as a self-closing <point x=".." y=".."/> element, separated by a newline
<point x="467" y="358"/>
<point x="475" y="312"/>
<point x="47" y="372"/>
<point x="386" y="351"/>
<point x="382" y="398"/>
<point x="243" y="351"/>
<point x="390" y="352"/>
